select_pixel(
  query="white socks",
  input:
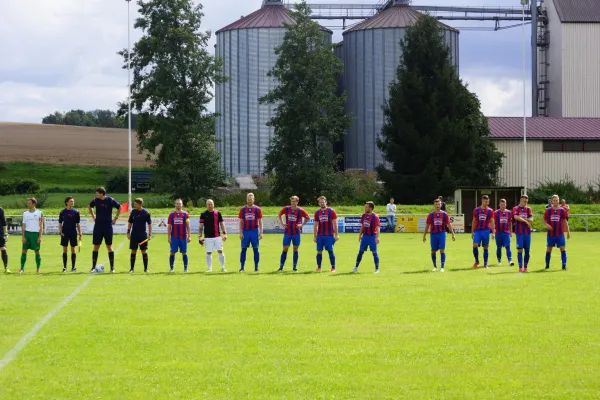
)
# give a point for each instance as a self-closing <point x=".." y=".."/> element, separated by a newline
<point x="209" y="261"/>
<point x="222" y="260"/>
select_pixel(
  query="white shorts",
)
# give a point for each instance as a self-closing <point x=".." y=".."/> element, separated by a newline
<point x="213" y="244"/>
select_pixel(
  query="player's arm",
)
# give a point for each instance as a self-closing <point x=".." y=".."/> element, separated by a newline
<point x="60" y="223"/>
<point x="305" y="220"/>
<point x="377" y="229"/>
<point x="241" y="225"/>
<point x="280" y="218"/>
<point x="567" y="228"/>
<point x="546" y="222"/>
<point x="78" y="224"/>
<point x="169" y="228"/>
<point x="23" y="229"/>
<point x="200" y="229"/>
<point x="222" y="226"/>
<point x="427" y="228"/>
<point x="493" y="225"/>
<point x="118" y="207"/>
<point x="451" y="229"/>
<point x="91" y="210"/>
<point x="3" y="224"/>
<point x="260" y="227"/>
<point x="360" y="234"/>
<point x="129" y="226"/>
<point x="472" y="229"/>
<point x="41" y="228"/>
<point x="316" y="229"/>
<point x="335" y="229"/>
<point x="149" y="222"/>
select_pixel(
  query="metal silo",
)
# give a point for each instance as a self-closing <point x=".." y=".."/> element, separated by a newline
<point x="371" y="58"/>
<point x="247" y="47"/>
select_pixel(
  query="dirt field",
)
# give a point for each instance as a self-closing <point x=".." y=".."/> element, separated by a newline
<point x="57" y="144"/>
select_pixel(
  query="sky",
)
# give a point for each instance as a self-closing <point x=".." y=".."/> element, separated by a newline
<point x="58" y="55"/>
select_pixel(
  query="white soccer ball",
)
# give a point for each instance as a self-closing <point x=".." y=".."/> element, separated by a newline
<point x="100" y="268"/>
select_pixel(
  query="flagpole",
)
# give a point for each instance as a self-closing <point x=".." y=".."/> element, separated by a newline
<point x="129" y="206"/>
<point x="524" y="4"/>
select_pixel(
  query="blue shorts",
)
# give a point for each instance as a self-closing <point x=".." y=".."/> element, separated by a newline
<point x="368" y="242"/>
<point x="503" y="239"/>
<point x="482" y="237"/>
<point x="102" y="231"/>
<point x="178" y="244"/>
<point x="294" y="239"/>
<point x="556" y="241"/>
<point x="524" y="242"/>
<point x="438" y="241"/>
<point x="250" y="238"/>
<point x="325" y="242"/>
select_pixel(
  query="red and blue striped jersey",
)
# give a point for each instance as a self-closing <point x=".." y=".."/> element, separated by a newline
<point x="369" y="224"/>
<point x="178" y="222"/>
<point x="521" y="228"/>
<point x="438" y="221"/>
<point x="556" y="218"/>
<point x="292" y="219"/>
<point x="324" y="219"/>
<point x="503" y="220"/>
<point x="482" y="218"/>
<point x="250" y="216"/>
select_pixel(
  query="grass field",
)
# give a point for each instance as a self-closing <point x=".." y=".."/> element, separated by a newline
<point x="405" y="333"/>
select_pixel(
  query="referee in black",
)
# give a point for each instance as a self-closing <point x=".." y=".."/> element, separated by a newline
<point x="136" y="232"/>
<point x="3" y="239"/>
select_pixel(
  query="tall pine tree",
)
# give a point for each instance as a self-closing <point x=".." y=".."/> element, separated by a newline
<point x="435" y="136"/>
<point x="309" y="115"/>
<point x="173" y="74"/>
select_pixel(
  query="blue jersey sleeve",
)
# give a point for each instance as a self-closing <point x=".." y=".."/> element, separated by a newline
<point x="148" y="218"/>
<point x="77" y="217"/>
<point x="115" y="204"/>
<point x="93" y="203"/>
<point x="61" y="217"/>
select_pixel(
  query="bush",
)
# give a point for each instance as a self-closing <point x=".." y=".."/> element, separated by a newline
<point x="118" y="182"/>
<point x="566" y="189"/>
<point x="6" y="189"/>
<point x="19" y="186"/>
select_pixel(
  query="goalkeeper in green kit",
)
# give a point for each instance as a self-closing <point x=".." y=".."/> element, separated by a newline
<point x="32" y="231"/>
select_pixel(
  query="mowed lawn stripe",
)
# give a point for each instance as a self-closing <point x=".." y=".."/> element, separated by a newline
<point x="402" y="334"/>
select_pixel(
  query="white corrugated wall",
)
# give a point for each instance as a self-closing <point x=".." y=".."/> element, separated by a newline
<point x="583" y="168"/>
<point x="581" y="70"/>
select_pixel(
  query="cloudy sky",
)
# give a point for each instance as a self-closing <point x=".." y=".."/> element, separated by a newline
<point x="61" y="54"/>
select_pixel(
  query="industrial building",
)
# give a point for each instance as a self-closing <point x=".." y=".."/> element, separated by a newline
<point x="247" y="47"/>
<point x="557" y="149"/>
<point x="568" y="81"/>
<point x="565" y="73"/>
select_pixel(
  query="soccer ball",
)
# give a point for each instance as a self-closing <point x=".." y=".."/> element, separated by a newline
<point x="100" y="268"/>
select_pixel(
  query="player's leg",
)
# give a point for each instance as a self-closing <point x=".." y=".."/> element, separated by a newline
<point x="245" y="245"/>
<point x="442" y="247"/>
<point x="73" y="243"/>
<point x="4" y="254"/>
<point x="108" y="240"/>
<point x="476" y="243"/>
<point x="287" y="240"/>
<point x="330" y="242"/>
<point x="499" y="244"/>
<point x="144" y="251"/>
<point x="520" y="241"/>
<point x="296" y="244"/>
<point x="133" y="246"/>
<point x="562" y="245"/>
<point x="97" y="238"/>
<point x="36" y="245"/>
<point x="486" y="244"/>
<point x="508" y="250"/>
<point x="183" y="246"/>
<point x="174" y="246"/>
<point x="221" y="256"/>
<point x="434" y="242"/>
<point x="373" y="247"/>
<point x="526" y="247"/>
<point x="550" y="243"/>
<point x="320" y="246"/>
<point x="64" y="242"/>
<point x="255" y="242"/>
<point x="24" y="254"/>
<point x="362" y="247"/>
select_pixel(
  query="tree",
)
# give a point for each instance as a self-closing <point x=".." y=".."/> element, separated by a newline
<point x="98" y="118"/>
<point x="55" y="119"/>
<point x="173" y="74"/>
<point x="309" y="115"/>
<point x="435" y="136"/>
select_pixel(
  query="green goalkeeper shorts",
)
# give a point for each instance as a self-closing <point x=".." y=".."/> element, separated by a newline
<point x="31" y="241"/>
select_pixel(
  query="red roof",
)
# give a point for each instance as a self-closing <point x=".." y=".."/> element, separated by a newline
<point x="395" y="16"/>
<point x="545" y="128"/>
<point x="269" y="16"/>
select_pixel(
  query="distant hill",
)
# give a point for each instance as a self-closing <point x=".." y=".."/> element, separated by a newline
<point x="60" y="144"/>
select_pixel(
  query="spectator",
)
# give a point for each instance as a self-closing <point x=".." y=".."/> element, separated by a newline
<point x="391" y="215"/>
<point x="549" y="203"/>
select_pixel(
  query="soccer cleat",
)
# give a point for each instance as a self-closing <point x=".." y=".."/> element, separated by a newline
<point x="476" y="265"/>
<point x="547" y="267"/>
<point x="92" y="270"/>
<point x="376" y="271"/>
<point x="280" y="269"/>
<point x="520" y="269"/>
<point x="242" y="270"/>
<point x="185" y="270"/>
<point x="525" y="269"/>
<point x="37" y="271"/>
<point x="6" y="271"/>
<point x="64" y="269"/>
<point x="564" y="268"/>
<point x="485" y="266"/>
<point x="112" y="270"/>
<point x="434" y="269"/>
<point x="295" y="270"/>
<point x="73" y="269"/>
<point x="146" y="271"/>
<point x="171" y="270"/>
<point x="332" y="269"/>
<point x="208" y="271"/>
<point x="442" y="270"/>
<point x="256" y="270"/>
<point x="318" y="269"/>
<point x="499" y="263"/>
<point x="21" y="271"/>
<point x="223" y="270"/>
<point x="131" y="271"/>
<point x="355" y="270"/>
<point x="512" y="264"/>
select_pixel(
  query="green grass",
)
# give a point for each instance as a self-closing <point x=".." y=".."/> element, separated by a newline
<point x="75" y="177"/>
<point x="405" y="333"/>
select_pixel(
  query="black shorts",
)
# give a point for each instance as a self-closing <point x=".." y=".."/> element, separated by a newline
<point x="103" y="231"/>
<point x="134" y="243"/>
<point x="2" y="240"/>
<point x="67" y="239"/>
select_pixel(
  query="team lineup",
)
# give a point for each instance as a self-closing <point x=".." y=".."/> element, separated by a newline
<point x="498" y="224"/>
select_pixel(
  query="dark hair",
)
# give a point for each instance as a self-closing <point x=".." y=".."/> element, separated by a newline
<point x="524" y="196"/>
<point x="33" y="200"/>
<point x="101" y="190"/>
<point x="485" y="197"/>
<point x="370" y="204"/>
<point x="502" y="200"/>
<point x="68" y="199"/>
<point x="436" y="200"/>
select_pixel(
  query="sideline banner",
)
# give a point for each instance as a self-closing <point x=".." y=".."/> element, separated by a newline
<point x="411" y="224"/>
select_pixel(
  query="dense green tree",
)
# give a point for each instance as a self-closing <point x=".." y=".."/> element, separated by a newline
<point x="97" y="118"/>
<point x="435" y="136"/>
<point x="173" y="74"/>
<point x="309" y="115"/>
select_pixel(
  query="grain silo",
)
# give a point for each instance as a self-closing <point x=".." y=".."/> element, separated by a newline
<point x="371" y="57"/>
<point x="247" y="47"/>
